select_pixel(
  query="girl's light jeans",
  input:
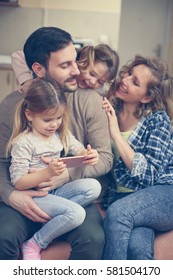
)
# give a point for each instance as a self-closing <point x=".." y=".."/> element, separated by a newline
<point x="64" y="205"/>
<point x="131" y="222"/>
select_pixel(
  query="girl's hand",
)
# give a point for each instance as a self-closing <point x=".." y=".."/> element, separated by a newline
<point x="56" y="167"/>
<point x="54" y="182"/>
<point x="91" y="156"/>
<point x="23" y="88"/>
<point x="112" y="118"/>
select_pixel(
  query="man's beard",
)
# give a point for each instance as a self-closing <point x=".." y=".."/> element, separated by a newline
<point x="68" y="89"/>
<point x="64" y="86"/>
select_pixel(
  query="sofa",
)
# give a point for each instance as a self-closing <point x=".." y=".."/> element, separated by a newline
<point x="163" y="246"/>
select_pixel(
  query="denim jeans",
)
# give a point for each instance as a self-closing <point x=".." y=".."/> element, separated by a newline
<point x="131" y="221"/>
<point x="64" y="205"/>
<point x="86" y="241"/>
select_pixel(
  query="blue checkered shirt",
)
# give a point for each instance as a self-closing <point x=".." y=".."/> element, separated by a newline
<point x="152" y="142"/>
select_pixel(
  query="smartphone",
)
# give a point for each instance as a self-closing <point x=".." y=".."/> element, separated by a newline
<point x="74" y="161"/>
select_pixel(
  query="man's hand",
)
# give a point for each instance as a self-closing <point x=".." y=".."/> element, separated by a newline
<point x="23" y="202"/>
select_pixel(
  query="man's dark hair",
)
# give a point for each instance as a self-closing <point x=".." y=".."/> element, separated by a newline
<point x="42" y="42"/>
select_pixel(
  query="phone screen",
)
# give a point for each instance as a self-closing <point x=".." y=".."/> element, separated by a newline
<point x="75" y="161"/>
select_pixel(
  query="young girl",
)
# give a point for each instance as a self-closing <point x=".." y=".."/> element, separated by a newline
<point x="41" y="129"/>
<point x="98" y="68"/>
<point x="142" y="135"/>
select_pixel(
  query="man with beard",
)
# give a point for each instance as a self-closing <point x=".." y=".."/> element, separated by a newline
<point x="49" y="51"/>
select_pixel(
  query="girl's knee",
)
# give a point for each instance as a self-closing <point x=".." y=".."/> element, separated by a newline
<point x="79" y="215"/>
<point x="94" y="188"/>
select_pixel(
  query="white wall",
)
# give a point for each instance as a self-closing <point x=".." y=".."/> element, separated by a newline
<point x="89" y="5"/>
<point x="132" y="26"/>
<point x="144" y="27"/>
<point x="88" y="19"/>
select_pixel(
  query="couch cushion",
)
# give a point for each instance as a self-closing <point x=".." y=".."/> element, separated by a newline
<point x="163" y="246"/>
<point x="56" y="251"/>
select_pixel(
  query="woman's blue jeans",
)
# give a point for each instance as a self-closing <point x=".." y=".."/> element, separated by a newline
<point x="131" y="222"/>
<point x="65" y="206"/>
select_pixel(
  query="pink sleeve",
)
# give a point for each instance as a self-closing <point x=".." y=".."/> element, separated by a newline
<point x="21" y="70"/>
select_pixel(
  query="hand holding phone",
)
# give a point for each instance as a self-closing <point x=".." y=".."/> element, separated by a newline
<point x="74" y="161"/>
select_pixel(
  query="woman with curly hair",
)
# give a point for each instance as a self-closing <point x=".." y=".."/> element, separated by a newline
<point x="140" y="128"/>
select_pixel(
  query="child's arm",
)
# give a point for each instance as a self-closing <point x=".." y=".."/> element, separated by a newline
<point x="21" y="70"/>
<point x="31" y="180"/>
<point x="22" y="158"/>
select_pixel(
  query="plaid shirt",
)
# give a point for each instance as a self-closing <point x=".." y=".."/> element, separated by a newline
<point x="152" y="142"/>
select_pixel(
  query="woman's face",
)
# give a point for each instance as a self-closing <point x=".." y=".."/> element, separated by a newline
<point x="134" y="85"/>
<point x="94" y="78"/>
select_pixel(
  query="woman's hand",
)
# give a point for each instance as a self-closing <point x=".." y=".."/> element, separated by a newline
<point x="112" y="118"/>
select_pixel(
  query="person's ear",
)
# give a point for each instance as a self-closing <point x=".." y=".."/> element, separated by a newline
<point x="146" y="99"/>
<point x="39" y="70"/>
<point x="28" y="115"/>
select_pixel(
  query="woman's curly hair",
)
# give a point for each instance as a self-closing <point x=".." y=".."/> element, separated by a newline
<point x="160" y="88"/>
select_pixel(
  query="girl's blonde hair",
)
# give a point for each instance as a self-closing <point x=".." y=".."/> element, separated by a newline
<point x="88" y="55"/>
<point x="160" y="88"/>
<point x="43" y="95"/>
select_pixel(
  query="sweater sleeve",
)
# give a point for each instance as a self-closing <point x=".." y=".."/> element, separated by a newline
<point x="90" y="126"/>
<point x="21" y="156"/>
<point x="75" y="145"/>
<point x="21" y="70"/>
<point x="7" y="107"/>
